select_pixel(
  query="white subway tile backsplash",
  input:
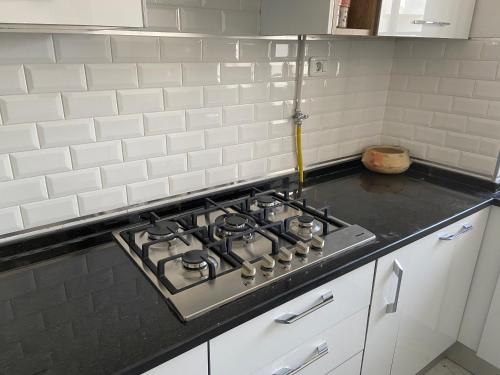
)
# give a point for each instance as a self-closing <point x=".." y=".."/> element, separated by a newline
<point x="89" y="104"/>
<point x="111" y="76"/>
<point x="430" y="136"/>
<point x="491" y="50"/>
<point x="267" y="148"/>
<point x="456" y="86"/>
<point x="42" y="78"/>
<point x="470" y="106"/>
<point x="254" y="93"/>
<point x="96" y="154"/>
<point x="102" y="200"/>
<point x="195" y="20"/>
<point x="167" y="166"/>
<point x="478" y="69"/>
<point x="252" y="169"/>
<point x="238" y="114"/>
<point x="10" y="220"/>
<point x="195" y="74"/>
<point x="221" y="137"/>
<point x="443" y="155"/>
<point x="204" y="159"/>
<point x="42" y="107"/>
<point x="26" y="48"/>
<point x="40" y="162"/>
<point x="5" y="168"/>
<point x="159" y="75"/>
<point x="74" y="48"/>
<point x="465" y="50"/>
<point x="269" y="111"/>
<point x="282" y="90"/>
<point x="164" y="122"/>
<point x="187" y="182"/>
<point x="423" y="84"/>
<point x="478" y="163"/>
<point x="26" y="190"/>
<point x="124" y="173"/>
<point x="21" y="137"/>
<point x="254" y="50"/>
<point x="484" y="128"/>
<point x="180" y="49"/>
<point x="253" y="132"/>
<point x="487" y="89"/>
<point x="118" y="127"/>
<point x="203" y="118"/>
<point x="221" y="175"/>
<point x="221" y="95"/>
<point x="162" y="17"/>
<point x="144" y="147"/>
<point x="66" y="132"/>
<point x="135" y="49"/>
<point x="442" y="68"/>
<point x="451" y="122"/>
<point x="463" y="142"/>
<point x="240" y="23"/>
<point x="237" y="72"/>
<point x="147" y="191"/>
<point x="12" y="80"/>
<point x="73" y="182"/>
<point x="183" y="97"/>
<point x="140" y="100"/>
<point x="237" y="153"/>
<point x="436" y="102"/>
<point x="270" y="71"/>
<point x="281" y="162"/>
<point x="49" y="211"/>
<point x="220" y="49"/>
<point x="185" y="142"/>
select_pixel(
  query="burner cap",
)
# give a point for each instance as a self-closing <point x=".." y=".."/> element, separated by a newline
<point x="235" y="221"/>
<point x="229" y="224"/>
<point x="193" y="259"/>
<point x="265" y="201"/>
<point x="306" y="220"/>
<point x="162" y="230"/>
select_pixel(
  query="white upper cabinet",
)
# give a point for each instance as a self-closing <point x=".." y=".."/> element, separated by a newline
<point x="108" y="13"/>
<point x="485" y="22"/>
<point x="426" y="18"/>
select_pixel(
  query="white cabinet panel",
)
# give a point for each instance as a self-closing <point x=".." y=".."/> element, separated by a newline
<point x="351" y="367"/>
<point x="485" y="22"/>
<point x="426" y="18"/>
<point x="72" y="12"/>
<point x="490" y="340"/>
<point x="434" y="288"/>
<point x="194" y="362"/>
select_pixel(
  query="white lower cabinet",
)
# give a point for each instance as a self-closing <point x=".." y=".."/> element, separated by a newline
<point x="419" y="296"/>
<point x="193" y="362"/>
<point x="351" y="367"/>
<point x="489" y="346"/>
<point x="297" y="333"/>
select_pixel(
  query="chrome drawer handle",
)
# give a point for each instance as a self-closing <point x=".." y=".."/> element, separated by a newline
<point x="434" y="23"/>
<point x="319" y="352"/>
<point x="448" y="237"/>
<point x="398" y="270"/>
<point x="290" y="318"/>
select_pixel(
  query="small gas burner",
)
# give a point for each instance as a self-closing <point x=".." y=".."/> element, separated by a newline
<point x="305" y="227"/>
<point x="195" y="259"/>
<point x="162" y="230"/>
<point x="233" y="223"/>
<point x="306" y="221"/>
<point x="267" y="201"/>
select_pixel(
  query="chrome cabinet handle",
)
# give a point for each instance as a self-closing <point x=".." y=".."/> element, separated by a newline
<point x="448" y="237"/>
<point x="434" y="23"/>
<point x="319" y="352"/>
<point x="290" y="318"/>
<point x="398" y="270"/>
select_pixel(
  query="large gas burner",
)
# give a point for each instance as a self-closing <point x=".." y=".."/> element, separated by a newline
<point x="210" y="256"/>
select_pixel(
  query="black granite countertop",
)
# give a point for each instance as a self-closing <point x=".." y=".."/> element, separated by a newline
<point x="93" y="312"/>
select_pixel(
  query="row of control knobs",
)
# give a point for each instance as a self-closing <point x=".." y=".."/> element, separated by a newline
<point x="248" y="270"/>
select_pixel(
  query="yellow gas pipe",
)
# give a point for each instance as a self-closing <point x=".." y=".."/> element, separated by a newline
<point x="299" y="117"/>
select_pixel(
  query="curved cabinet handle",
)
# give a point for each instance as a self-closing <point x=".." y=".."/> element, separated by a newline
<point x="432" y="23"/>
<point x="398" y="270"/>
<point x="319" y="352"/>
<point x="290" y="318"/>
<point x="449" y="237"/>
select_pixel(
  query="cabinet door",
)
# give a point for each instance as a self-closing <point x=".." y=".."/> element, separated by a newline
<point x="72" y="12"/>
<point x="485" y="22"/>
<point x="490" y="340"/>
<point x="194" y="362"/>
<point x="426" y="18"/>
<point x="435" y="282"/>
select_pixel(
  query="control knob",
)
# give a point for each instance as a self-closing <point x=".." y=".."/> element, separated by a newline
<point x="301" y="248"/>
<point x="285" y="255"/>
<point x="267" y="263"/>
<point x="317" y="242"/>
<point x="248" y="271"/>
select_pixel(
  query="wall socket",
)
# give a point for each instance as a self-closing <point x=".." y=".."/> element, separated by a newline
<point x="318" y="67"/>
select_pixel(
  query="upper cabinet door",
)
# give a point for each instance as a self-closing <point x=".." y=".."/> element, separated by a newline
<point x="426" y="18"/>
<point x="485" y="22"/>
<point x="108" y="13"/>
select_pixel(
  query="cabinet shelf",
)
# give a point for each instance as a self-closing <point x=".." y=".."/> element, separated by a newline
<point x="352" y="32"/>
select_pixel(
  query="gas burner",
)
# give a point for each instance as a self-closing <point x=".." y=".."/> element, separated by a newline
<point x="305" y="221"/>
<point x="195" y="259"/>
<point x="233" y="223"/>
<point x="305" y="227"/>
<point x="266" y="201"/>
<point x="163" y="230"/>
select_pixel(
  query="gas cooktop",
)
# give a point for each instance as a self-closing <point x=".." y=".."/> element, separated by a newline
<point x="212" y="255"/>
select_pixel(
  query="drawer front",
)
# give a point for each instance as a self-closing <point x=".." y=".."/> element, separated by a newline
<point x="325" y="351"/>
<point x="193" y="362"/>
<point x="351" y="367"/>
<point x="262" y="340"/>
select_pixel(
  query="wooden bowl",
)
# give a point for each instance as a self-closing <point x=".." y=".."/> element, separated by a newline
<point x="386" y="159"/>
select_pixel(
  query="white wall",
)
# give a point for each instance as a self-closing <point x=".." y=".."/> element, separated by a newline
<point x="95" y="123"/>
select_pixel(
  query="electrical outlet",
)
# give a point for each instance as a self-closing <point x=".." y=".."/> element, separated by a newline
<point x="318" y="67"/>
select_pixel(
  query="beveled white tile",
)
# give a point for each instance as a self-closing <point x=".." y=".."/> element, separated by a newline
<point x="463" y="142"/>
<point x="21" y="137"/>
<point x="140" y="100"/>
<point x="221" y="95"/>
<point x="423" y="84"/>
<point x="42" y="107"/>
<point x="111" y="76"/>
<point x="180" y="49"/>
<point x="66" y="132"/>
<point x="470" y="106"/>
<point x="281" y="162"/>
<point x="118" y="127"/>
<point x="183" y="97"/>
<point x="252" y="169"/>
<point x="167" y="165"/>
<point x="203" y="118"/>
<point x="72" y="48"/>
<point x="204" y="159"/>
<point x="282" y="49"/>
<point x="73" y="182"/>
<point x="487" y="89"/>
<point x="12" y="80"/>
<point x="266" y="148"/>
<point x="183" y="183"/>
<point x="124" y="173"/>
<point x="147" y="191"/>
<point x="14" y="193"/>
<point x="162" y="17"/>
<point x="484" y="128"/>
<point x="237" y="114"/>
<point x="430" y="136"/>
<point x="282" y="90"/>
<point x="254" y="92"/>
<point x="490" y="50"/>
<point x="89" y="104"/>
<point x="478" y="69"/>
<point x="144" y="147"/>
<point x="250" y="5"/>
<point x="281" y="128"/>
<point x="436" y="102"/>
<point x="164" y="122"/>
<point x="49" y="211"/>
<point x="221" y="4"/>
<point x="184" y="142"/>
<point x="270" y="71"/>
<point x="102" y="200"/>
<point x="463" y="49"/>
<point x="269" y="111"/>
<point x="489" y="147"/>
<point x="221" y="175"/>
<point x="456" y="86"/>
<point x="449" y="122"/>
<point x="254" y="50"/>
<point x="26" y="48"/>
<point x="40" y="162"/>
<point x="10" y="220"/>
<point x="443" y="155"/>
<point x="220" y="49"/>
<point x="237" y="72"/>
<point x="253" y="132"/>
<point x="205" y="21"/>
<point x="237" y="153"/>
<point x="194" y="74"/>
<point x="221" y="137"/>
<point x="135" y="48"/>
<point x="159" y="75"/>
<point x="5" y="168"/>
<point x="96" y="154"/>
<point x="43" y="78"/>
